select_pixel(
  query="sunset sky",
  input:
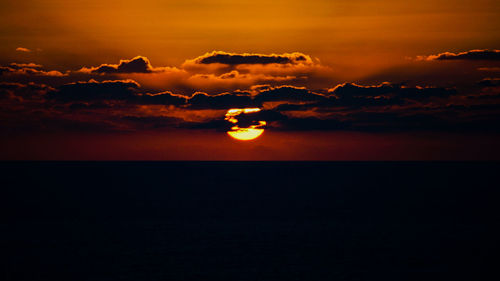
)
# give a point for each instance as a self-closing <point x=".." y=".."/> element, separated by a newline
<point x="333" y="79"/>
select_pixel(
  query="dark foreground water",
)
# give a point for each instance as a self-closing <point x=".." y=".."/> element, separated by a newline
<point x="249" y="221"/>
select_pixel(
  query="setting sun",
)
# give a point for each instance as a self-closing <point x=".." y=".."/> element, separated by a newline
<point x="248" y="133"/>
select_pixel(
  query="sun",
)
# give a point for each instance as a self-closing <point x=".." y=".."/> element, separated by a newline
<point x="248" y="133"/>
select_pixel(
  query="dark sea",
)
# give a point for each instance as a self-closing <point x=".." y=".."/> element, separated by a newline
<point x="249" y="221"/>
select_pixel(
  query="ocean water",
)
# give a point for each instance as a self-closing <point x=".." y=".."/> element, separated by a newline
<point x="249" y="221"/>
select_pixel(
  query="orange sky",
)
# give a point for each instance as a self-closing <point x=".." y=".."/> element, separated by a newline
<point x="359" y="36"/>
<point x="340" y="78"/>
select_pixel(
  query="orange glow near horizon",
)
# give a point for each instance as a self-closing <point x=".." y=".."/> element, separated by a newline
<point x="244" y="134"/>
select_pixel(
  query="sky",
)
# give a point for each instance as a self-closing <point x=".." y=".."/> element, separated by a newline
<point x="332" y="80"/>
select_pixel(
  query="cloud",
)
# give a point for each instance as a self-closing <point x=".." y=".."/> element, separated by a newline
<point x="487" y="55"/>
<point x="29" y="69"/>
<point x="440" y="118"/>
<point x="235" y="76"/>
<point x="120" y="105"/>
<point x="23" y="65"/>
<point x="22" y="106"/>
<point x="288" y="93"/>
<point x="490" y="69"/>
<point x="138" y="64"/>
<point x="219" y="71"/>
<point x="220" y="57"/>
<point x="9" y="85"/>
<point x="235" y="80"/>
<point x="128" y="91"/>
<point x="220" y="101"/>
<point x="163" y="98"/>
<point x="388" y="90"/>
<point x="219" y="62"/>
<point x="212" y="73"/>
<point x="354" y="96"/>
<point x="22" y="49"/>
<point x="489" y="93"/>
<point x="489" y="82"/>
<point x="350" y="96"/>
<point x="283" y="98"/>
<point x="23" y="92"/>
<point x="94" y="90"/>
<point x="8" y="90"/>
<point x="279" y="84"/>
<point x="384" y="106"/>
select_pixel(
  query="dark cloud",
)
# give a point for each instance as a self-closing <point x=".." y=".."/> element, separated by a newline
<point x="233" y="59"/>
<point x="89" y="105"/>
<point x="489" y="69"/>
<point x="125" y="105"/>
<point x="348" y="90"/>
<point x="350" y="95"/>
<point x="288" y="93"/>
<point x="165" y="98"/>
<point x="221" y="101"/>
<point x="23" y="65"/>
<point x="24" y="92"/>
<point x="451" y="119"/>
<point x="10" y="86"/>
<point x="348" y="106"/>
<point x="489" y="82"/>
<point x="213" y="73"/>
<point x="290" y="98"/>
<point x="138" y="64"/>
<point x="311" y="124"/>
<point x="236" y="59"/>
<point x="218" y="71"/>
<point x="443" y="118"/>
<point x="94" y="90"/>
<point x="7" y="89"/>
<point x="468" y="55"/>
<point x="28" y="69"/>
<point x="127" y="91"/>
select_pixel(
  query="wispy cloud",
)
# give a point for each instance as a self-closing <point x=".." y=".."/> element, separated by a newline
<point x="22" y="49"/>
<point x="487" y="55"/>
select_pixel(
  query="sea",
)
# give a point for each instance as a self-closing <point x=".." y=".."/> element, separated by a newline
<point x="249" y="221"/>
